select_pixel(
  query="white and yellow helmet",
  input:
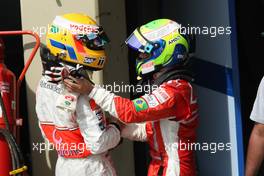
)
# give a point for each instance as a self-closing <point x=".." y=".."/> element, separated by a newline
<point x="76" y="38"/>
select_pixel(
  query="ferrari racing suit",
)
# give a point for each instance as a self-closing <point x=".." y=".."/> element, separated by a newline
<point x="81" y="138"/>
<point x="170" y="116"/>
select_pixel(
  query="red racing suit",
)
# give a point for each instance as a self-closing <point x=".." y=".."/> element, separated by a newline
<point x="81" y="138"/>
<point x="170" y="119"/>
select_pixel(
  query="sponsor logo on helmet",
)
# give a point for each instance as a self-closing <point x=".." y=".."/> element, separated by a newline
<point x="101" y="61"/>
<point x="75" y="28"/>
<point x="162" y="31"/>
<point x="174" y="40"/>
<point x="89" y="60"/>
<point x="180" y="56"/>
<point x="148" y="67"/>
<point x="84" y="29"/>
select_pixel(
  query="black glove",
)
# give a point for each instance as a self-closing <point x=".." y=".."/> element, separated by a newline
<point x="53" y="70"/>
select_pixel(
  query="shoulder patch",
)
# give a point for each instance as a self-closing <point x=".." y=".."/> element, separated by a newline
<point x="161" y="95"/>
<point x="140" y="104"/>
<point x="151" y="100"/>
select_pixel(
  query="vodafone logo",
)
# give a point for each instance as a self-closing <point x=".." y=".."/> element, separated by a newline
<point x="74" y="27"/>
<point x="84" y="29"/>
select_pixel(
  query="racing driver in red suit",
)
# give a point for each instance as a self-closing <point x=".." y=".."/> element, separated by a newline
<point x="167" y="118"/>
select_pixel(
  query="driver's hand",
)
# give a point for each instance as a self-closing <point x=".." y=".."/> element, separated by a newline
<point x="82" y="86"/>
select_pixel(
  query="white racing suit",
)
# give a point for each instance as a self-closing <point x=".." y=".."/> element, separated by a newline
<point x="81" y="139"/>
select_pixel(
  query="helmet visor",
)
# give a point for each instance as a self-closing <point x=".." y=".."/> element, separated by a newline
<point x="94" y="41"/>
<point x="137" y="42"/>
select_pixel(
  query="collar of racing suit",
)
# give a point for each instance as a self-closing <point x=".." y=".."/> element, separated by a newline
<point x="174" y="74"/>
<point x="170" y="74"/>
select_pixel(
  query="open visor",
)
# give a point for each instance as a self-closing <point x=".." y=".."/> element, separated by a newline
<point x="138" y="42"/>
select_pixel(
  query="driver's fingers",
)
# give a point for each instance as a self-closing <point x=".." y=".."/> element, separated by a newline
<point x="57" y="69"/>
<point x="52" y="73"/>
<point x="76" y="80"/>
<point x="71" y="84"/>
<point x="69" y="89"/>
<point x="68" y="86"/>
<point x="67" y="82"/>
<point x="52" y="78"/>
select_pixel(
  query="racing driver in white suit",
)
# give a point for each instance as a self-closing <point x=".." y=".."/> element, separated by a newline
<point x="73" y="123"/>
